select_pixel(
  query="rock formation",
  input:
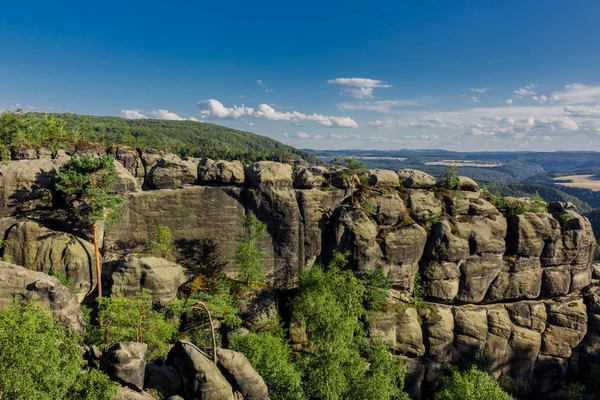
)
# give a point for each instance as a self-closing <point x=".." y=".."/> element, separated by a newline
<point x="515" y="289"/>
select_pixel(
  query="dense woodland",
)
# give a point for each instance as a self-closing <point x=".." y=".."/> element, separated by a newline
<point x="185" y="138"/>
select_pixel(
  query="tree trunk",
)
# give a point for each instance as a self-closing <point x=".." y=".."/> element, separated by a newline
<point x="98" y="265"/>
<point x="212" y="329"/>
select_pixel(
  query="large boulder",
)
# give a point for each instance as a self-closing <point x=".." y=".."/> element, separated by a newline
<point x="172" y="172"/>
<point x="17" y="282"/>
<point x="26" y="185"/>
<point x="160" y="277"/>
<point x="381" y="178"/>
<point x="130" y="159"/>
<point x="125" y="181"/>
<point x="468" y="184"/>
<point x="270" y="173"/>
<point x="163" y="378"/>
<point x="309" y="177"/>
<point x="201" y="378"/>
<point x="258" y="308"/>
<point x="127" y="394"/>
<point x="220" y="172"/>
<point x="415" y="179"/>
<point x="126" y="362"/>
<point x="246" y="382"/>
<point x="41" y="249"/>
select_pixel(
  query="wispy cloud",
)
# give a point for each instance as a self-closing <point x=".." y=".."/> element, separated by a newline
<point x="215" y="109"/>
<point x="264" y="86"/>
<point x="480" y="90"/>
<point x="360" y="88"/>
<point x="156" y="114"/>
<point x="382" y="106"/>
<point x="303" y="135"/>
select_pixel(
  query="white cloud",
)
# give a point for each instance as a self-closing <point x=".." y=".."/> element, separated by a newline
<point x="303" y="135"/>
<point x="132" y="114"/>
<point x="216" y="109"/>
<point x="360" y="88"/>
<point x="264" y="86"/>
<point x="509" y="102"/>
<point x="285" y="134"/>
<point x="480" y="90"/>
<point x="318" y="137"/>
<point x="526" y="90"/>
<point x="475" y="99"/>
<point x="165" y="114"/>
<point x="577" y="93"/>
<point x="382" y="106"/>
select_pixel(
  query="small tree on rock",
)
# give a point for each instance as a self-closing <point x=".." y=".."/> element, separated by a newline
<point x="351" y="173"/>
<point x="248" y="257"/>
<point x="87" y="182"/>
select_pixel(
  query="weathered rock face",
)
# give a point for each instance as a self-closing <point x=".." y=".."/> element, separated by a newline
<point x="126" y="362"/>
<point x="41" y="249"/>
<point x="220" y="172"/>
<point x="160" y="277"/>
<point x="18" y="283"/>
<point x="202" y="379"/>
<point x="171" y="172"/>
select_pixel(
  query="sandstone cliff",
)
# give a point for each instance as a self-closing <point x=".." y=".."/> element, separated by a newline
<point x="515" y="289"/>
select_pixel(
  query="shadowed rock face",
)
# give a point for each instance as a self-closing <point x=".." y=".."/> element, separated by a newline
<point x="17" y="282"/>
<point x="509" y="288"/>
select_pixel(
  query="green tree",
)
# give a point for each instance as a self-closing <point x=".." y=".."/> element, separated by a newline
<point x="134" y="319"/>
<point x="271" y="358"/>
<point x="351" y="173"/>
<point x="248" y="257"/>
<point x="450" y="179"/>
<point x="342" y="363"/>
<point x="40" y="360"/>
<point x="87" y="182"/>
<point x="470" y="384"/>
<point x="163" y="244"/>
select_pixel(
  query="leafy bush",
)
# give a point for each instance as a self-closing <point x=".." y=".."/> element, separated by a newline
<point x="163" y="243"/>
<point x="134" y="319"/>
<point x="469" y="384"/>
<point x="40" y="360"/>
<point x="62" y="277"/>
<point x="418" y="291"/>
<point x="248" y="257"/>
<point x="571" y="392"/>
<point x="449" y="179"/>
<point x="329" y="305"/>
<point x="270" y="357"/>
<point x="376" y="285"/>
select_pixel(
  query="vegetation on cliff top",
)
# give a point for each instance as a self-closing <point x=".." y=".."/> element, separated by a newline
<point x="186" y="138"/>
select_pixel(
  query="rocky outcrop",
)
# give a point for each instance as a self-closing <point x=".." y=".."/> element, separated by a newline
<point x="160" y="277"/>
<point x="220" y="172"/>
<point x="202" y="379"/>
<point x="414" y="179"/>
<point x="171" y="172"/>
<point x="126" y="362"/>
<point x="18" y="283"/>
<point x="41" y="249"/>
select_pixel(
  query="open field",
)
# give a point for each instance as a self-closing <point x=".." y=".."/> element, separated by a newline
<point x="465" y="163"/>
<point x="591" y="182"/>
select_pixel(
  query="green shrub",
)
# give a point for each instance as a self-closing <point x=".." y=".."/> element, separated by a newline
<point x="163" y="243"/>
<point x="134" y="319"/>
<point x="270" y="357"/>
<point x="449" y="179"/>
<point x="62" y="277"/>
<point x="417" y="291"/>
<point x="376" y="285"/>
<point x="40" y="360"/>
<point x="329" y="304"/>
<point x="516" y="387"/>
<point x="248" y="257"/>
<point x="469" y="384"/>
<point x="571" y="392"/>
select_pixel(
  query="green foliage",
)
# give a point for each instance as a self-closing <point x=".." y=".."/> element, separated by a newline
<point x="432" y="221"/>
<point x="40" y="360"/>
<point x="93" y="384"/>
<point x="571" y="392"/>
<point x="469" y="384"/>
<point x="495" y="199"/>
<point x="93" y="333"/>
<point x="62" y="277"/>
<point x="271" y="358"/>
<point x="329" y="305"/>
<point x="248" y="257"/>
<point x="418" y="291"/>
<point x="134" y="319"/>
<point x="163" y="243"/>
<point x="538" y="204"/>
<point x="87" y="182"/>
<point x="449" y="179"/>
<point x="376" y="285"/>
<point x="185" y="138"/>
<point x="516" y="387"/>
<point x="351" y="172"/>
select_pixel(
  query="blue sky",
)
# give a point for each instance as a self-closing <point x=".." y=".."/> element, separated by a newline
<point x="460" y="75"/>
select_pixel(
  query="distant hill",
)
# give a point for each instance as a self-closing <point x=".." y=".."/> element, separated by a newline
<point x="186" y="138"/>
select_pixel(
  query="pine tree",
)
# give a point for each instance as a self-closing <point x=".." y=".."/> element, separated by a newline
<point x="87" y="183"/>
